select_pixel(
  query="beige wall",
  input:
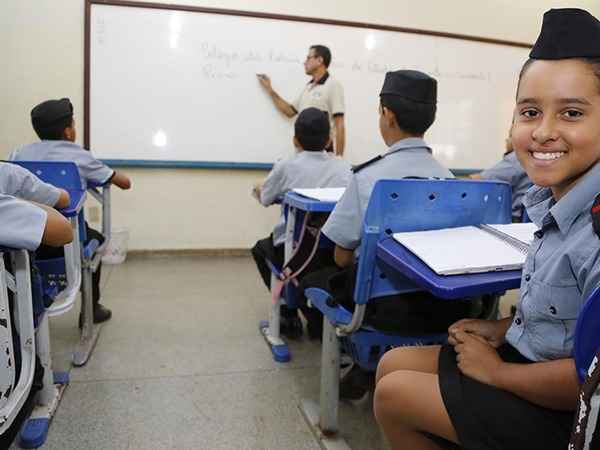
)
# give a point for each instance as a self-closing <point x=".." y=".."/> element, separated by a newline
<point x="41" y="47"/>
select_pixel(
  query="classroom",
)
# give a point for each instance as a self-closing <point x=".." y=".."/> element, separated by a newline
<point x="344" y="225"/>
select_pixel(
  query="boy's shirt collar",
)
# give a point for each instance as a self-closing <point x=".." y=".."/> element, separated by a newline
<point x="408" y="143"/>
<point x="543" y="209"/>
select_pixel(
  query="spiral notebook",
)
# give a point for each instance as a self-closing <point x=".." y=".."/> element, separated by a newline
<point x="471" y="249"/>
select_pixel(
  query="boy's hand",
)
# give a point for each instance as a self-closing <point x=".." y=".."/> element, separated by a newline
<point x="476" y="358"/>
<point x="491" y="331"/>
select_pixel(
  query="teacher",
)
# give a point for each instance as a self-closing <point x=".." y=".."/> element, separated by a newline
<point x="322" y="92"/>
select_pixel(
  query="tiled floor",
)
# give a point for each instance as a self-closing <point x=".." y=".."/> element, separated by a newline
<point x="182" y="366"/>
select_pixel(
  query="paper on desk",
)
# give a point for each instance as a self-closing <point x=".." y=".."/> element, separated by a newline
<point x="322" y="194"/>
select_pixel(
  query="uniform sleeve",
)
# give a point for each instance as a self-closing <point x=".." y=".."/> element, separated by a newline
<point x="503" y="171"/>
<point x="336" y="100"/>
<point x="20" y="182"/>
<point x="91" y="169"/>
<point x="344" y="225"/>
<point x="22" y="224"/>
<point x="273" y="187"/>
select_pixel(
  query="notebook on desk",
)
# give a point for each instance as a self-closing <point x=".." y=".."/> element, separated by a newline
<point x="471" y="249"/>
<point x="322" y="194"/>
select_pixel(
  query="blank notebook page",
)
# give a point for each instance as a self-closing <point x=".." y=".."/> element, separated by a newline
<point x="452" y="251"/>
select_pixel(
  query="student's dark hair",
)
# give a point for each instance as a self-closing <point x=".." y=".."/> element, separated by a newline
<point x="312" y="135"/>
<point x="54" y="132"/>
<point x="323" y="52"/>
<point x="412" y="117"/>
<point x="594" y="64"/>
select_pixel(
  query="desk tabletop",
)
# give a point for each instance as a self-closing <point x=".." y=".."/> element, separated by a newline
<point x="307" y="204"/>
<point x="77" y="201"/>
<point x="393" y="259"/>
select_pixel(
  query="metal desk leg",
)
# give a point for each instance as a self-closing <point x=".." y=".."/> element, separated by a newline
<point x="89" y="331"/>
<point x="323" y="418"/>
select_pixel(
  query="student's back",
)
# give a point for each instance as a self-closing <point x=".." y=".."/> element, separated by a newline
<point x="90" y="169"/>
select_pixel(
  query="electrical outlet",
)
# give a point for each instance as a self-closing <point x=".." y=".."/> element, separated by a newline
<point x="94" y="214"/>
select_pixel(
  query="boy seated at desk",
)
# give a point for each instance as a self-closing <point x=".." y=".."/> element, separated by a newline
<point x="407" y="109"/>
<point x="310" y="167"/>
<point x="53" y="122"/>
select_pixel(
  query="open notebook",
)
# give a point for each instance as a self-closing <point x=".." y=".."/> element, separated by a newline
<point x="471" y="249"/>
<point x="322" y="194"/>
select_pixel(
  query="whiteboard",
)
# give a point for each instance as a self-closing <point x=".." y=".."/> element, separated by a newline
<point x="173" y="85"/>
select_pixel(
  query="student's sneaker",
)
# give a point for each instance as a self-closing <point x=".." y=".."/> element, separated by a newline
<point x="356" y="383"/>
<point x="290" y="327"/>
<point x="101" y="314"/>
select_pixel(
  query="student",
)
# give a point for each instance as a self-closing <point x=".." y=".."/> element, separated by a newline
<point x="26" y="225"/>
<point x="510" y="171"/>
<point x="511" y="383"/>
<point x="407" y="110"/>
<point x="310" y="167"/>
<point x="53" y="122"/>
<point x="21" y="183"/>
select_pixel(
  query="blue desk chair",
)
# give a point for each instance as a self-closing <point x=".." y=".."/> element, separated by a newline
<point x="297" y="212"/>
<point x="394" y="206"/>
<point x="80" y="259"/>
<point x="587" y="362"/>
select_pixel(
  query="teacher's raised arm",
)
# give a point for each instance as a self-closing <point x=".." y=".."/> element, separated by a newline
<point x="322" y="92"/>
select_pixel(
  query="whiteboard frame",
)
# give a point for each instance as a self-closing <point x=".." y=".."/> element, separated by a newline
<point x="232" y="12"/>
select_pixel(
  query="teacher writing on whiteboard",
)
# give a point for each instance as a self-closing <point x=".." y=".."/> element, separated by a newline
<point x="323" y="92"/>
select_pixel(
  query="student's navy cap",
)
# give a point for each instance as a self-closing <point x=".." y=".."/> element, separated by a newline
<point x="412" y="85"/>
<point x="50" y="112"/>
<point x="312" y="122"/>
<point x="567" y="33"/>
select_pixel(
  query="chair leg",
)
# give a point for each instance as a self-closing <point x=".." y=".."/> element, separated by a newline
<point x="270" y="329"/>
<point x="330" y="379"/>
<point x="89" y="330"/>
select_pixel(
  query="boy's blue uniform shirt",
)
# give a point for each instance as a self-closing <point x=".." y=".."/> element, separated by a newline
<point x="560" y="272"/>
<point x="304" y="170"/>
<point x="510" y="171"/>
<point x="409" y="157"/>
<point x="89" y="167"/>
<point x="20" y="182"/>
<point x="22" y="225"/>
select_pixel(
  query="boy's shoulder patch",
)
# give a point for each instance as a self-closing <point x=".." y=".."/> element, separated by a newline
<point x="595" y="211"/>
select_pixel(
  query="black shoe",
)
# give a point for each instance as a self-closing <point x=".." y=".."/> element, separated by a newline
<point x="356" y="383"/>
<point x="101" y="314"/>
<point x="290" y="327"/>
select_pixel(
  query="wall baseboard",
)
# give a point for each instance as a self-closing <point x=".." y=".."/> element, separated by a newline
<point x="188" y="252"/>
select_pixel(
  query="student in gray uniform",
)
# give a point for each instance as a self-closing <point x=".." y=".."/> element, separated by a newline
<point x="21" y="183"/>
<point x="407" y="110"/>
<point x="512" y="383"/>
<point x="53" y="122"/>
<point x="311" y="167"/>
<point x="510" y="171"/>
<point x="26" y="226"/>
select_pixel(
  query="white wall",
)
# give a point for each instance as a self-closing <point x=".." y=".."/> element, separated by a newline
<point x="41" y="48"/>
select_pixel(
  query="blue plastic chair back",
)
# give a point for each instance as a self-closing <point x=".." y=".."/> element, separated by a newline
<point x="416" y="205"/>
<point x="587" y="335"/>
<point x="63" y="174"/>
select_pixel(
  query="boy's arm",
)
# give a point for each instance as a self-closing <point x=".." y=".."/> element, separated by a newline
<point x="343" y="257"/>
<point x="121" y="180"/>
<point x="58" y="231"/>
<point x="64" y="199"/>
